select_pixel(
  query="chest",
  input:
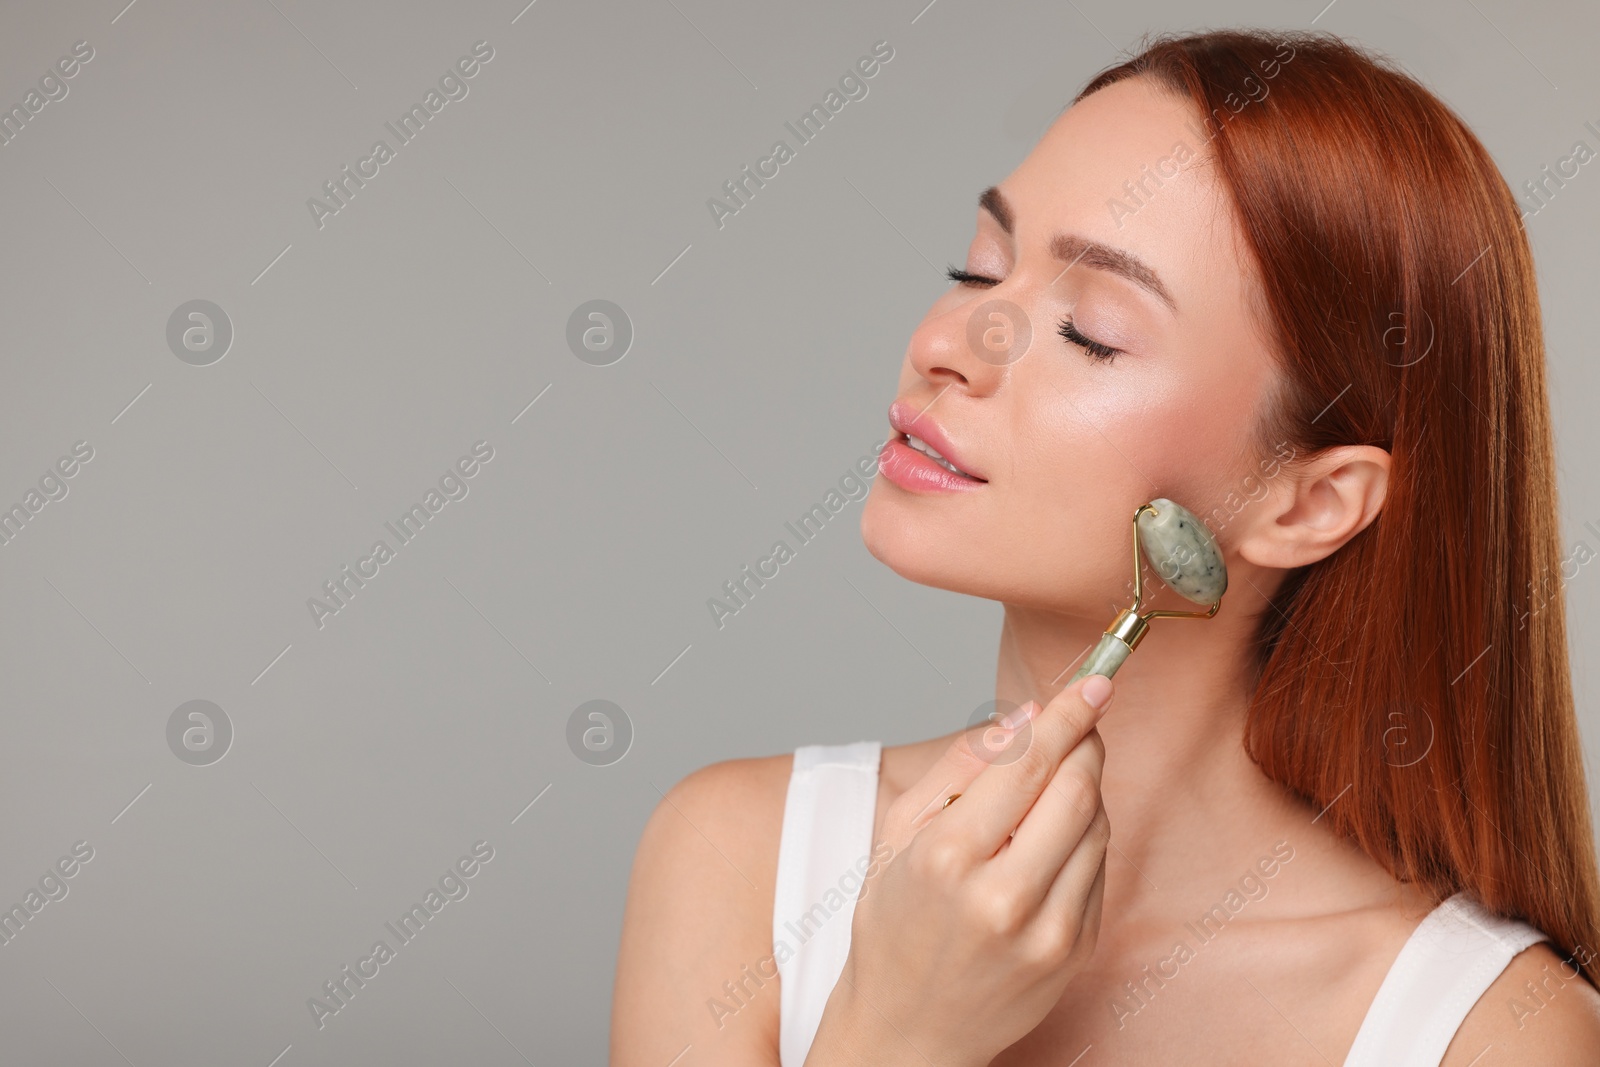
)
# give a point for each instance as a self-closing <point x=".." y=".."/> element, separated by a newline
<point x="1243" y="996"/>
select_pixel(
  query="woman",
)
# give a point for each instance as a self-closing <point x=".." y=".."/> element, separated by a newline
<point x="1343" y="821"/>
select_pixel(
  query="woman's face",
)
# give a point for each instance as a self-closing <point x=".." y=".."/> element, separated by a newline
<point x="1067" y="444"/>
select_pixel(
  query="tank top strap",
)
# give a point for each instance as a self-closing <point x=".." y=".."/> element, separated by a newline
<point x="823" y="855"/>
<point x="1448" y="962"/>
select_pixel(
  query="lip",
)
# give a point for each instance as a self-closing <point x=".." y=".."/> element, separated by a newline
<point x="910" y="465"/>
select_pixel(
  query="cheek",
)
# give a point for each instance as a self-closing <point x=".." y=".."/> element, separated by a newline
<point x="1098" y="440"/>
<point x="1194" y="443"/>
<point x="1076" y="479"/>
<point x="1092" y="428"/>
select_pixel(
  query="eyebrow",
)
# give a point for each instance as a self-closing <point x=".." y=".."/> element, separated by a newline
<point x="1073" y="248"/>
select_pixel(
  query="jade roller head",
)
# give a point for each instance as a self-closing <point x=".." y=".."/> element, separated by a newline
<point x="1187" y="558"/>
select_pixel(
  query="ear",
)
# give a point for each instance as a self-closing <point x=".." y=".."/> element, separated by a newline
<point x="1311" y="510"/>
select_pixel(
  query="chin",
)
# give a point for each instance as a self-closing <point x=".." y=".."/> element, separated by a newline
<point x="907" y="545"/>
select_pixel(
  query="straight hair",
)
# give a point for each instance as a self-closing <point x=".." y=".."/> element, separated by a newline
<point x="1414" y="684"/>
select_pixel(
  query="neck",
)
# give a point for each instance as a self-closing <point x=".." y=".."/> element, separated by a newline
<point x="1188" y="807"/>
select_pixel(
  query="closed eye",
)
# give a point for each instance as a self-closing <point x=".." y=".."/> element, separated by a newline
<point x="956" y="274"/>
<point x="1094" y="348"/>
<point x="1068" y="330"/>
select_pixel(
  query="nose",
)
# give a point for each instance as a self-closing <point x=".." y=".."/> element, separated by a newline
<point x="972" y="344"/>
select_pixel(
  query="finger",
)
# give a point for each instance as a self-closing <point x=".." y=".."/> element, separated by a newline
<point x="955" y="770"/>
<point x="994" y="804"/>
<point x="1072" y="907"/>
<point x="1058" y="820"/>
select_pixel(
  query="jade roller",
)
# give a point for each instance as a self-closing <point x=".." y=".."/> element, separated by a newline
<point x="1187" y="558"/>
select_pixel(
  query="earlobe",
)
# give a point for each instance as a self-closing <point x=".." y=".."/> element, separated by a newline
<point x="1310" y="512"/>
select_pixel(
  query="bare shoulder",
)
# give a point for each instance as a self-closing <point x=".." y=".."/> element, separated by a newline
<point x="1539" y="1010"/>
<point x="695" y="963"/>
<point x="736" y="795"/>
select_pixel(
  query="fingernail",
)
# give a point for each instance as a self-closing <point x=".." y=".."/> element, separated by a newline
<point x="1096" y="691"/>
<point x="1019" y="716"/>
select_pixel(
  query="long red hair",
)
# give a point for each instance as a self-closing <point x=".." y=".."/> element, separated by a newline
<point x="1415" y="683"/>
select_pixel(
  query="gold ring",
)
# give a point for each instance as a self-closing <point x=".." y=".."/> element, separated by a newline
<point x="949" y="800"/>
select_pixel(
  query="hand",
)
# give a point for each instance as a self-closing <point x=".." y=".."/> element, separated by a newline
<point x="968" y="937"/>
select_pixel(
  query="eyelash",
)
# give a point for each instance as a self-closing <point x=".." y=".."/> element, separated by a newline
<point x="1103" y="353"/>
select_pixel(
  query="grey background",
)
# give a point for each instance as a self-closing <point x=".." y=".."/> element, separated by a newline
<point x="370" y="754"/>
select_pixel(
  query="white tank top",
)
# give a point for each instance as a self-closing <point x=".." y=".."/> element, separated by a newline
<point x="826" y="847"/>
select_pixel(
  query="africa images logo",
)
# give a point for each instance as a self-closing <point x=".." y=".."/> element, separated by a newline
<point x="341" y="189"/>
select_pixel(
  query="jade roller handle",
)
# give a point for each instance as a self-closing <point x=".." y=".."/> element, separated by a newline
<point x="1105" y="659"/>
